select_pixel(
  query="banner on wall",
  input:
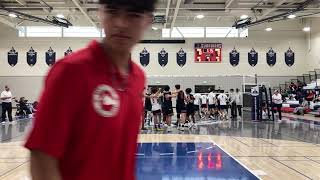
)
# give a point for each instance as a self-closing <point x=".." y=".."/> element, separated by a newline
<point x="253" y="57"/>
<point x="234" y="56"/>
<point x="69" y="51"/>
<point x="31" y="57"/>
<point x="163" y="57"/>
<point x="289" y="57"/>
<point x="271" y="57"/>
<point x="181" y="57"/>
<point x="144" y="57"/>
<point x="12" y="57"/>
<point x="50" y="57"/>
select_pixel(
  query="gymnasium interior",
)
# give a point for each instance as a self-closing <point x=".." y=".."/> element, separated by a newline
<point x="256" y="46"/>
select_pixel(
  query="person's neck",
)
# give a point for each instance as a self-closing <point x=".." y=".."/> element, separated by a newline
<point x="119" y="59"/>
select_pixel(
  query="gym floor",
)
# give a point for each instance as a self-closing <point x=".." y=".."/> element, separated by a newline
<point x="287" y="149"/>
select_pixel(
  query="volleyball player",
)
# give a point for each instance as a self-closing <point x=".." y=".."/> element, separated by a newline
<point x="196" y="104"/>
<point x="204" y="105"/>
<point x="190" y="107"/>
<point x="156" y="108"/>
<point x="211" y="103"/>
<point x="223" y="105"/>
<point x="180" y="105"/>
<point x="167" y="107"/>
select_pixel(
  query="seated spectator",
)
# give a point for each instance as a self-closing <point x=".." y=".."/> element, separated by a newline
<point x="35" y="106"/>
<point x="23" y="108"/>
<point x="310" y="95"/>
<point x="293" y="88"/>
<point x="302" y="107"/>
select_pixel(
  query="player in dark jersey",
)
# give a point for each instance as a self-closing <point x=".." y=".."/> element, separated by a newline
<point x="190" y="107"/>
<point x="147" y="108"/>
<point x="180" y="106"/>
<point x="167" y="106"/>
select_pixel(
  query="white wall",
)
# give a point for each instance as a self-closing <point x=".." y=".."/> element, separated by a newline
<point x="279" y="40"/>
<point x="313" y="45"/>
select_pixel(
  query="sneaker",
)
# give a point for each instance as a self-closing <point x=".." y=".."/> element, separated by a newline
<point x="169" y="129"/>
<point x="3" y="122"/>
<point x="13" y="122"/>
<point x="144" y="129"/>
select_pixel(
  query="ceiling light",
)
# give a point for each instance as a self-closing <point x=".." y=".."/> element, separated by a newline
<point x="244" y="16"/>
<point x="13" y="15"/>
<point x="200" y="16"/>
<point x="269" y="29"/>
<point x="306" y="29"/>
<point x="154" y="28"/>
<point x="60" y="15"/>
<point x="292" y="16"/>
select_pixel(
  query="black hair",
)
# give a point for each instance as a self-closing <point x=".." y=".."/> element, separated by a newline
<point x="231" y="89"/>
<point x="131" y="5"/>
<point x="154" y="90"/>
<point x="177" y="86"/>
<point x="167" y="88"/>
<point x="188" y="90"/>
<point x="237" y="90"/>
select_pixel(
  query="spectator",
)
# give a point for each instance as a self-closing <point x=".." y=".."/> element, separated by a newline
<point x="6" y="98"/>
<point x="277" y="102"/>
<point x="309" y="95"/>
<point x="303" y="105"/>
<point x="292" y="88"/>
<point x="23" y="106"/>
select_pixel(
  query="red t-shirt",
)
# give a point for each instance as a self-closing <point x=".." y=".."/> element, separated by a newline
<point x="87" y="120"/>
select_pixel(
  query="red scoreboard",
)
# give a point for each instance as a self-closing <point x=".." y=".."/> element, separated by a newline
<point x="208" y="52"/>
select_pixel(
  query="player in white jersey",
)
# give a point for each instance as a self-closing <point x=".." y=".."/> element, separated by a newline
<point x="204" y="106"/>
<point x="196" y="103"/>
<point x="223" y="105"/>
<point x="211" y="103"/>
<point x="156" y="108"/>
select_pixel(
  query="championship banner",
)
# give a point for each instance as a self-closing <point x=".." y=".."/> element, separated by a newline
<point x="253" y="57"/>
<point x="31" y="57"/>
<point x="271" y="57"/>
<point x="69" y="51"/>
<point x="289" y="57"/>
<point x="181" y="58"/>
<point x="234" y="57"/>
<point x="50" y="57"/>
<point x="12" y="57"/>
<point x="163" y="58"/>
<point x="144" y="57"/>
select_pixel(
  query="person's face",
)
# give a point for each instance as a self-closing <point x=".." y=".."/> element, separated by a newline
<point x="123" y="28"/>
<point x="7" y="88"/>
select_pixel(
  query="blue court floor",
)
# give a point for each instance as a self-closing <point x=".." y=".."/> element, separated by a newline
<point x="192" y="161"/>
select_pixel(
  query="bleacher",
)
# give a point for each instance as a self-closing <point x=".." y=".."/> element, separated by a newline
<point x="311" y="80"/>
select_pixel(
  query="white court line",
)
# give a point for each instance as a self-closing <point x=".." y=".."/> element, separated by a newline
<point x="251" y="171"/>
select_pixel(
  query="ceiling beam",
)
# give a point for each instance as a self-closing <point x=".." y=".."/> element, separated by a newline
<point x="84" y="12"/>
<point x="268" y="11"/>
<point x="167" y="13"/>
<point x="176" y="10"/>
<point x="21" y="2"/>
<point x="228" y="3"/>
<point x="8" y="23"/>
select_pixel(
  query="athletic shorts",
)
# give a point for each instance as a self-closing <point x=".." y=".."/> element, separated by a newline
<point x="203" y="106"/>
<point x="190" y="110"/>
<point x="181" y="108"/>
<point x="223" y="106"/>
<point x="157" y="112"/>
<point x="196" y="107"/>
<point x="148" y="108"/>
<point x="212" y="106"/>
<point x="167" y="111"/>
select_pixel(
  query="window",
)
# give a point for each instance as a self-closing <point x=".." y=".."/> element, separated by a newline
<point x="201" y="32"/>
<point x="22" y="31"/>
<point x="43" y="31"/>
<point x="81" y="32"/>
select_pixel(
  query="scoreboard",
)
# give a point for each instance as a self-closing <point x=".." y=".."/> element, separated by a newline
<point x="208" y="52"/>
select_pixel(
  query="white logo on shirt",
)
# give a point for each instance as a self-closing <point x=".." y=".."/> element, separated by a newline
<point x="106" y="101"/>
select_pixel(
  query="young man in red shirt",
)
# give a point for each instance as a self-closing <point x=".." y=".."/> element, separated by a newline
<point x="89" y="114"/>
